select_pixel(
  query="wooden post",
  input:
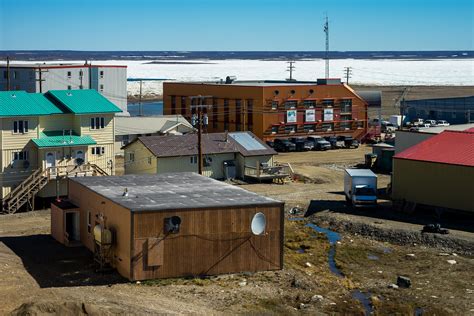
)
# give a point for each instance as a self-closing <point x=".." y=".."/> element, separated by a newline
<point x="200" y="162"/>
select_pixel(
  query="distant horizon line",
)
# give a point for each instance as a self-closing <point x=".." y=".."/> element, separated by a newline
<point x="238" y="51"/>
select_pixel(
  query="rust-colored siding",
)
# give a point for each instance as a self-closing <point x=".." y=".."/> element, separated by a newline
<point x="209" y="242"/>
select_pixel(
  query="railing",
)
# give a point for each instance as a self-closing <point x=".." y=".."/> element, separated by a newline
<point x="277" y="171"/>
<point x="75" y="171"/>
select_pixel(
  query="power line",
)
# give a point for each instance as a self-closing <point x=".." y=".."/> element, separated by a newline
<point x="348" y="73"/>
<point x="290" y="68"/>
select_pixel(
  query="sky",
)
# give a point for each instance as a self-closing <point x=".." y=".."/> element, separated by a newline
<point x="240" y="25"/>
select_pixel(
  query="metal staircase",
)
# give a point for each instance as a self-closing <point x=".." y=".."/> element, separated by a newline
<point x="26" y="191"/>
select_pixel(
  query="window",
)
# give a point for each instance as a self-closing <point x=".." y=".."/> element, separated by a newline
<point x="327" y="127"/>
<point x="290" y="128"/>
<point x="328" y="102"/>
<point x="290" y="105"/>
<point x="346" y="125"/>
<point x="20" y="127"/>
<point x="131" y="157"/>
<point x="360" y="124"/>
<point x="81" y="73"/>
<point x="125" y="140"/>
<point x="238" y="115"/>
<point x="346" y="106"/>
<point x="89" y="222"/>
<point x="346" y="117"/>
<point x="309" y="104"/>
<point x="275" y="129"/>
<point x="101" y="74"/>
<point x="207" y="161"/>
<point x="274" y="105"/>
<point x="183" y="106"/>
<point x="193" y="160"/>
<point x="101" y="87"/>
<point x="308" y="128"/>
<point x="98" y="150"/>
<point x="69" y="74"/>
<point x="214" y="113"/>
<point x="16" y="75"/>
<point x="97" y="122"/>
<point x="173" y="104"/>
<point x="20" y="155"/>
<point x="226" y="114"/>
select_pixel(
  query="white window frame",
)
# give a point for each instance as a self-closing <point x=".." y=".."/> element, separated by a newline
<point x="98" y="150"/>
<point x="193" y="160"/>
<point x="101" y="87"/>
<point x="24" y="127"/>
<point x="131" y="156"/>
<point x="97" y="122"/>
<point x="101" y="74"/>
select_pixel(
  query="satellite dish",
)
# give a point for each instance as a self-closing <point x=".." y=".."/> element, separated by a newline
<point x="258" y="224"/>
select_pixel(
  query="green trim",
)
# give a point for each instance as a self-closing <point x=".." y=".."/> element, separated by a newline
<point x="57" y="139"/>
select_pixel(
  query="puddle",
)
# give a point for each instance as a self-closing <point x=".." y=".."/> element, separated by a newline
<point x="364" y="299"/>
<point x="333" y="238"/>
<point x="372" y="257"/>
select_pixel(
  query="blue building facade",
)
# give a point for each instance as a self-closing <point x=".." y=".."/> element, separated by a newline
<point x="458" y="110"/>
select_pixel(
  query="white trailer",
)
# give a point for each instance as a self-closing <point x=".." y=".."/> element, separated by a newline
<point x="396" y="120"/>
<point x="360" y="187"/>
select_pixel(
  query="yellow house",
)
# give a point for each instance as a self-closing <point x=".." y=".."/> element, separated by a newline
<point x="52" y="136"/>
<point x="225" y="156"/>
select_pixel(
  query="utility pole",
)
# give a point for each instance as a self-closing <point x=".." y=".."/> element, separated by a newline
<point x="8" y="73"/>
<point x="348" y="73"/>
<point x="326" y="57"/>
<point x="199" y="122"/>
<point x="140" y="109"/>
<point x="290" y="68"/>
<point x="40" y="78"/>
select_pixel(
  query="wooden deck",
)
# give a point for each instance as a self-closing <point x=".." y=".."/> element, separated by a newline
<point x="277" y="173"/>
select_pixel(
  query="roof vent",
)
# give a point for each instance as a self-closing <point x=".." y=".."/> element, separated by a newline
<point x="69" y="94"/>
<point x="125" y="192"/>
<point x="13" y="95"/>
<point x="230" y="79"/>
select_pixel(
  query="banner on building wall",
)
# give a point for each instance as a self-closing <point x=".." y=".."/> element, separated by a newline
<point x="291" y="116"/>
<point x="310" y="116"/>
<point x="329" y="114"/>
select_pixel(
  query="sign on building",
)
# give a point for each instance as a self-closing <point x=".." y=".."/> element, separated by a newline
<point x="328" y="114"/>
<point x="310" y="116"/>
<point x="291" y="116"/>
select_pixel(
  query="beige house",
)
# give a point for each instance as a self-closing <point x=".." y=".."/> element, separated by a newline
<point x="51" y="136"/>
<point x="225" y="155"/>
<point x="128" y="128"/>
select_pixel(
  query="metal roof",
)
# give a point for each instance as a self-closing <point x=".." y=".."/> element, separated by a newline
<point x="449" y="147"/>
<point x="361" y="173"/>
<point x="128" y="125"/>
<point x="84" y="101"/>
<point x="21" y="103"/>
<point x="58" y="139"/>
<point x="171" y="191"/>
<point x="247" y="141"/>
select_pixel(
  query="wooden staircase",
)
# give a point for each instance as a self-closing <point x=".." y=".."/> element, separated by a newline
<point x="26" y="191"/>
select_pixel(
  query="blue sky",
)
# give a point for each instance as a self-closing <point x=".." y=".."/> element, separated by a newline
<point x="287" y="25"/>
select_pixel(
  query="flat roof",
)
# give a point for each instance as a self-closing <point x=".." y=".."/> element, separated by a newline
<point x="257" y="83"/>
<point x="360" y="173"/>
<point x="58" y="65"/>
<point x="171" y="191"/>
<point x="440" y="129"/>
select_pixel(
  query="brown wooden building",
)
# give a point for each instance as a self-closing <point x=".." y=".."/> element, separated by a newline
<point x="175" y="224"/>
<point x="273" y="109"/>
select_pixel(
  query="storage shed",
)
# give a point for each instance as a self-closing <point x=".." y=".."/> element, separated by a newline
<point x="179" y="224"/>
<point x="437" y="172"/>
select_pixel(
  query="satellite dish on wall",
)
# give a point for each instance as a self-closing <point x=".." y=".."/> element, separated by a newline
<point x="258" y="224"/>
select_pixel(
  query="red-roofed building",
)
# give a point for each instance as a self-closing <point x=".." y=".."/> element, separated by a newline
<point x="437" y="172"/>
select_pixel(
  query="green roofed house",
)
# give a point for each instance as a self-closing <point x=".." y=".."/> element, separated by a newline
<point x="52" y="136"/>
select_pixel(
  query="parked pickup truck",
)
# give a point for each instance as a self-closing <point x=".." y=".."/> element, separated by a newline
<point x="360" y="187"/>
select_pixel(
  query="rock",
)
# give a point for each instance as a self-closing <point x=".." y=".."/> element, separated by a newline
<point x="455" y="254"/>
<point x="392" y="286"/>
<point x="243" y="283"/>
<point x="317" y="298"/>
<point x="380" y="271"/>
<point x="307" y="264"/>
<point x="302" y="306"/>
<point x="443" y="254"/>
<point x="451" y="261"/>
<point x="410" y="255"/>
<point x="138" y="282"/>
<point x="403" y="281"/>
<point x="332" y="303"/>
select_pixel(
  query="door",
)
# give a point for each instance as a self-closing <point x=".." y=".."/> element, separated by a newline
<point x="51" y="162"/>
<point x="72" y="226"/>
<point x="79" y="157"/>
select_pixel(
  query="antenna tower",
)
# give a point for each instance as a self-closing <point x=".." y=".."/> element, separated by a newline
<point x="326" y="57"/>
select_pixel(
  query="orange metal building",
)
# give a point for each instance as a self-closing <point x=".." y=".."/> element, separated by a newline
<point x="273" y="109"/>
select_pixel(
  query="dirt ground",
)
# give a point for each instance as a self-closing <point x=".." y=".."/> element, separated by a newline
<point x="41" y="277"/>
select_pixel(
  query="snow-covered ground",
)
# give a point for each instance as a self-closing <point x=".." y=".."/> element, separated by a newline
<point x="459" y="72"/>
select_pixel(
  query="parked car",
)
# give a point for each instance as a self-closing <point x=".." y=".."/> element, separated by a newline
<point x="319" y="143"/>
<point x="431" y="122"/>
<point x="283" y="145"/>
<point x="349" y="141"/>
<point x="418" y="122"/>
<point x="389" y="128"/>
<point x="270" y="143"/>
<point x="301" y="143"/>
<point x="442" y="123"/>
<point x="333" y="142"/>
